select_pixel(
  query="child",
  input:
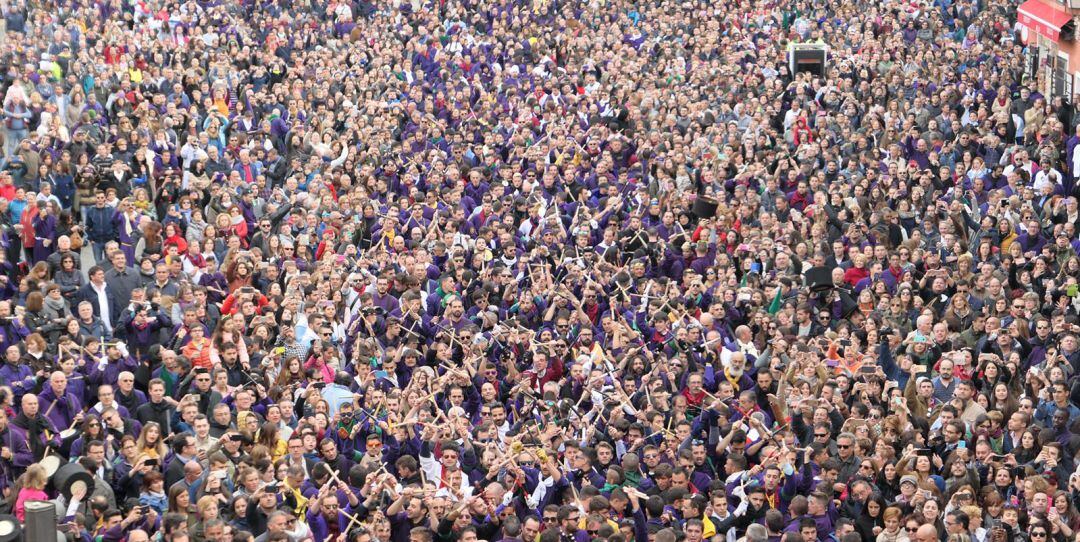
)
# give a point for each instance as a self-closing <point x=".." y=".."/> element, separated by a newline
<point x="34" y="480"/>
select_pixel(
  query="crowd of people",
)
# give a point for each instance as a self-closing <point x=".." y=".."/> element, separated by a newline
<point x="536" y="271"/>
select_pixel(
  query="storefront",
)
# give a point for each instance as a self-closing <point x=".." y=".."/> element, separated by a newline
<point x="1048" y="30"/>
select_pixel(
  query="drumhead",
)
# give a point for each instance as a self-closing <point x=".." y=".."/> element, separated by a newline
<point x="51" y="464"/>
<point x="7" y="527"/>
<point x="78" y="486"/>
<point x="68" y="433"/>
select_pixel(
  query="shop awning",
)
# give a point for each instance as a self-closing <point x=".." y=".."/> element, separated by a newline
<point x="1043" y="19"/>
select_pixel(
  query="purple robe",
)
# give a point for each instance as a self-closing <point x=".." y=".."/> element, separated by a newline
<point x="61" y="411"/>
<point x="127" y="240"/>
<point x="44" y="230"/>
<point x="17" y="440"/>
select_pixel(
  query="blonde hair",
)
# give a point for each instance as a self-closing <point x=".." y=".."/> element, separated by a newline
<point x="35" y="477"/>
<point x="206" y="502"/>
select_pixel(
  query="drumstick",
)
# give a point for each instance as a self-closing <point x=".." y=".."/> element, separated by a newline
<point x="53" y="404"/>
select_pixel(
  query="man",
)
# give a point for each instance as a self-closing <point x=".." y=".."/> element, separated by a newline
<point x="849" y="463"/>
<point x="956" y="523"/>
<point x="107" y="370"/>
<point x="570" y="525"/>
<point x="405" y="513"/>
<point x="62" y="408"/>
<point x="100" y="228"/>
<point x="278" y="522"/>
<point x="1059" y="400"/>
<point x="126" y="394"/>
<point x="31" y="427"/>
<point x="107" y="399"/>
<point x="295" y="454"/>
<point x="121" y="278"/>
<point x="183" y="467"/>
<point x="102" y="297"/>
<point x="15" y="454"/>
<point x="157" y="410"/>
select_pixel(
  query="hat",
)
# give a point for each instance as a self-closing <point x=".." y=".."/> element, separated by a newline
<point x="909" y="478"/>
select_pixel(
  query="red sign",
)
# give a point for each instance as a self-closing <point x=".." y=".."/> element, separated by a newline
<point x="1042" y="18"/>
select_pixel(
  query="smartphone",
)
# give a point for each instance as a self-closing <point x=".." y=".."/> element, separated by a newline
<point x="1019" y="472"/>
<point x="868" y="369"/>
<point x="925" y="452"/>
<point x="151" y="462"/>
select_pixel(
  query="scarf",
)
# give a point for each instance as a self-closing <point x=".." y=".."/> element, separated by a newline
<point x="34" y="428"/>
<point x="58" y="306"/>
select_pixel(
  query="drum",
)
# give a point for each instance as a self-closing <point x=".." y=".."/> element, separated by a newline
<point x="72" y="477"/>
<point x="10" y="529"/>
<point x="68" y="433"/>
<point x="819" y="279"/>
<point x="705" y="207"/>
<point x="51" y="463"/>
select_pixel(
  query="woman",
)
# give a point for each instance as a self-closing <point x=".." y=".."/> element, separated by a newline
<point x="44" y="224"/>
<point x="892" y="531"/>
<point x="228" y="332"/>
<point x="151" y="443"/>
<point x="292" y="373"/>
<point x="1066" y="514"/>
<point x="153" y="492"/>
<point x="206" y="509"/>
<point x="180" y="503"/>
<point x="150" y="244"/>
<point x="239" y="509"/>
<point x="871" y="522"/>
<point x="220" y="382"/>
<point x="91" y="431"/>
<point x="55" y="308"/>
<point x="35" y="317"/>
<point x="174" y="237"/>
<point x="1028" y="449"/>
<point x="888" y="479"/>
<point x="268" y="436"/>
<point x="68" y="278"/>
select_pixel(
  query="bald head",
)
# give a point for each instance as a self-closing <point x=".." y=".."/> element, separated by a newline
<point x="30" y="405"/>
<point x="926" y="533"/>
<point x="192" y="470"/>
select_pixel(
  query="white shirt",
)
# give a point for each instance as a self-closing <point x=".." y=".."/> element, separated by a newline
<point x="103" y="302"/>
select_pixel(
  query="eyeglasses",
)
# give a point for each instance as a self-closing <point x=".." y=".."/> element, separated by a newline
<point x="843" y="446"/>
<point x="820" y="435"/>
<point x="575" y="518"/>
<point x="1038" y="534"/>
<point x="550" y="519"/>
<point x="911" y="529"/>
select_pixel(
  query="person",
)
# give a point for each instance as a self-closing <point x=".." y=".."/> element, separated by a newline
<point x="620" y="266"/>
<point x="33" y="489"/>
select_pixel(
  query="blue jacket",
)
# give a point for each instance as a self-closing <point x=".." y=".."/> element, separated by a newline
<point x="99" y="223"/>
